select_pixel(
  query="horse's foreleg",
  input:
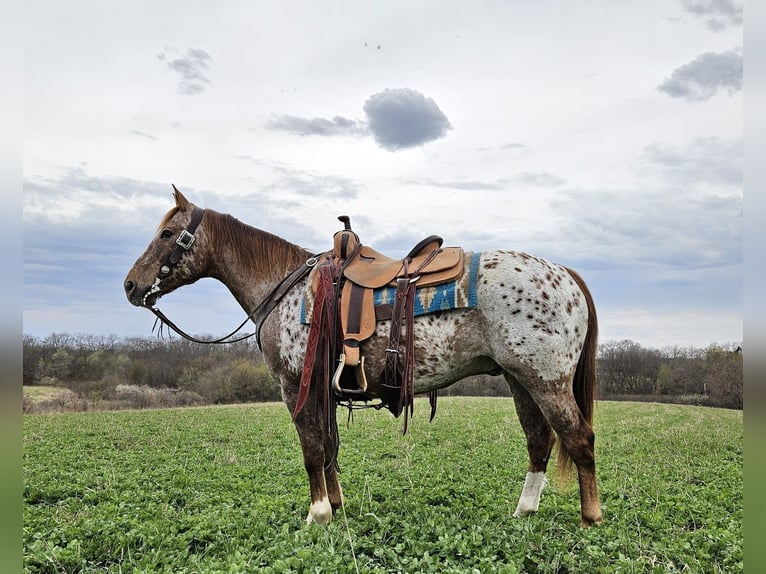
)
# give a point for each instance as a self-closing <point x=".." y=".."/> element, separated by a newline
<point x="540" y="440"/>
<point x="310" y="434"/>
<point x="309" y="425"/>
<point x="326" y="493"/>
<point x="334" y="491"/>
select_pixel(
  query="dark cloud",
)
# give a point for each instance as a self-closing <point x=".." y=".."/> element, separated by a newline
<point x="315" y="126"/>
<point x="396" y="118"/>
<point x="403" y="118"/>
<point x="704" y="76"/>
<point x="191" y="69"/>
<point x="718" y="14"/>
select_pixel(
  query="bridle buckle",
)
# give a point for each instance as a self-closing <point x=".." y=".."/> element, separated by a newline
<point x="185" y="240"/>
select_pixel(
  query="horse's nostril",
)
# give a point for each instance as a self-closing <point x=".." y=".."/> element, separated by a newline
<point x="129" y="285"/>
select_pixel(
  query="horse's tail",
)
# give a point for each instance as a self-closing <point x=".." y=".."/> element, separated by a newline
<point x="584" y="383"/>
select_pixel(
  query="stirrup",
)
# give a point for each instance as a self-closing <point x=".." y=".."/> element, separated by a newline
<point x="336" y="378"/>
<point x="338" y="371"/>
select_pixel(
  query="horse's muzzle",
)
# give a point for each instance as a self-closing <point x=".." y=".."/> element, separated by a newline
<point x="137" y="296"/>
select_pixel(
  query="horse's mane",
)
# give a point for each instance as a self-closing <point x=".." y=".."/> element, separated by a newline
<point x="260" y="247"/>
<point x="168" y="216"/>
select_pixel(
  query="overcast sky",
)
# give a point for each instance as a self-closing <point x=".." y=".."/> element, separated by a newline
<point x="606" y="136"/>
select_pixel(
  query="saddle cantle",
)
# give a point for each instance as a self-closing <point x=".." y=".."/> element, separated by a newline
<point x="355" y="271"/>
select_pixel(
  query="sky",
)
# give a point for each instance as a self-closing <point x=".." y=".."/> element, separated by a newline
<point x="605" y="136"/>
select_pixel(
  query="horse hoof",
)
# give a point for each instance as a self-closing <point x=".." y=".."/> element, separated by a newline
<point x="523" y="512"/>
<point x="320" y="512"/>
<point x="587" y="523"/>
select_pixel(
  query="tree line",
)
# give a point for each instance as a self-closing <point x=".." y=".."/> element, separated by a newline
<point x="113" y="372"/>
<point x="711" y="376"/>
<point x="110" y="372"/>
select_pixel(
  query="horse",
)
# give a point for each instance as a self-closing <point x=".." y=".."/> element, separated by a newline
<point x="534" y="322"/>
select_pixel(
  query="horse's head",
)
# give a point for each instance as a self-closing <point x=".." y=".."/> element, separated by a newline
<point x="175" y="257"/>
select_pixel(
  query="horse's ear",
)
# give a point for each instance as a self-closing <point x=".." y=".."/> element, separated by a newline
<point x="181" y="201"/>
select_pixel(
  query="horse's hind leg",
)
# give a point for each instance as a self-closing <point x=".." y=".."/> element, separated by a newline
<point x="576" y="442"/>
<point x="540" y="439"/>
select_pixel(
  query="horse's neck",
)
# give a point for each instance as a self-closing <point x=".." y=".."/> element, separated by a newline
<point x="249" y="261"/>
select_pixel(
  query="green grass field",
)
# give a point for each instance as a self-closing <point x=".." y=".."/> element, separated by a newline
<point x="223" y="490"/>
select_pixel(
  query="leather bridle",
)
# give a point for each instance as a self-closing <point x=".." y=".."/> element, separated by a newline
<point x="184" y="242"/>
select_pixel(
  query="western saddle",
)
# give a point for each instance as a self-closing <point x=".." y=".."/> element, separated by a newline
<point x="343" y="315"/>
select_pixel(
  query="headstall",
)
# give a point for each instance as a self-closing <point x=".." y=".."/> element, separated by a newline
<point x="184" y="242"/>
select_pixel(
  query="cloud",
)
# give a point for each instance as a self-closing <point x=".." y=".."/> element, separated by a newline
<point x="527" y="179"/>
<point x="403" y="118"/>
<point x="75" y="200"/>
<point x="397" y="118"/>
<point x="704" y="76"/>
<point x="191" y="69"/>
<point x="507" y="146"/>
<point x="670" y="327"/>
<point x="711" y="161"/>
<point x="315" y="126"/>
<point x="538" y="179"/>
<point x="718" y="13"/>
<point x="312" y="185"/>
<point x="287" y="182"/>
<point x="142" y="134"/>
<point x="665" y="229"/>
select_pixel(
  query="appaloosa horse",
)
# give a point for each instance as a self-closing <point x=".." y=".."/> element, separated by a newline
<point x="534" y="322"/>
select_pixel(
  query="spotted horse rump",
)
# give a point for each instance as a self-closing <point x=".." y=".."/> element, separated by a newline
<point x="531" y="320"/>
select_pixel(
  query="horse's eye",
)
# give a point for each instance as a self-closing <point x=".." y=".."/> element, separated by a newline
<point x="166" y="234"/>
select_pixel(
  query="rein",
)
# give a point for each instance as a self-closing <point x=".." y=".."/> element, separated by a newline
<point x="258" y="315"/>
<point x="163" y="320"/>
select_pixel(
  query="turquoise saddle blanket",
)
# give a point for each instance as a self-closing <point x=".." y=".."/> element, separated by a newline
<point x="458" y="294"/>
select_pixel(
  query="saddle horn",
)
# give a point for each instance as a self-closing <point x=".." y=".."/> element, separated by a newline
<point x="346" y="220"/>
<point x="345" y="241"/>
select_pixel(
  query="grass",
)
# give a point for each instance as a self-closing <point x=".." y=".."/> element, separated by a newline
<point x="224" y="490"/>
